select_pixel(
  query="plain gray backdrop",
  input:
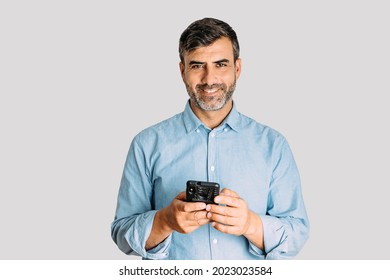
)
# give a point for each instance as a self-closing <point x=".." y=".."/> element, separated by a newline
<point x="78" y="80"/>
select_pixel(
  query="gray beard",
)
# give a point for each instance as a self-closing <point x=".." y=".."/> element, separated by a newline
<point x="205" y="103"/>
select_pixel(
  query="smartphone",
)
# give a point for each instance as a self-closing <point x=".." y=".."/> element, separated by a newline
<point x="201" y="191"/>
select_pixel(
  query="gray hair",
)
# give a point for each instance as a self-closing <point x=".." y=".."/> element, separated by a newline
<point x="203" y="33"/>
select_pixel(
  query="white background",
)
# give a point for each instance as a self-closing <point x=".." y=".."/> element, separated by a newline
<point x="78" y="79"/>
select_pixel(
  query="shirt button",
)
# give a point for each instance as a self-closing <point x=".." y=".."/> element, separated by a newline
<point x="212" y="168"/>
<point x="225" y="129"/>
<point x="215" y="241"/>
<point x="197" y="131"/>
<point x="213" y="134"/>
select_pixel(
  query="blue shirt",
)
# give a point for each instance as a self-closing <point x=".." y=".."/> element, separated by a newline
<point x="240" y="154"/>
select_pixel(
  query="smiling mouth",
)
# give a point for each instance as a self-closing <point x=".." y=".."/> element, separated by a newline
<point x="210" y="89"/>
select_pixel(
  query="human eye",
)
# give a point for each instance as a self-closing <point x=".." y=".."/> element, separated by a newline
<point x="196" y="66"/>
<point x="221" y="64"/>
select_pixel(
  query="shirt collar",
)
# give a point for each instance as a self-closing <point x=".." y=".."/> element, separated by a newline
<point x="233" y="119"/>
<point x="192" y="122"/>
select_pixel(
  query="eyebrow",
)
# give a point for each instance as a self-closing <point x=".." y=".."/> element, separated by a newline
<point x="221" y="61"/>
<point x="192" y="62"/>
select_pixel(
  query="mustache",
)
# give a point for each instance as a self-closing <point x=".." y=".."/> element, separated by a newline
<point x="210" y="87"/>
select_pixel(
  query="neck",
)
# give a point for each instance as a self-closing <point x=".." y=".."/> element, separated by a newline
<point x="212" y="119"/>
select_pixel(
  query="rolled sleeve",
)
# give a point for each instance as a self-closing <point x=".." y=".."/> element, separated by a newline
<point x="286" y="225"/>
<point x="274" y="236"/>
<point x="138" y="234"/>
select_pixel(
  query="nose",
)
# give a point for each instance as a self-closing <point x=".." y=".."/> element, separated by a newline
<point x="209" y="76"/>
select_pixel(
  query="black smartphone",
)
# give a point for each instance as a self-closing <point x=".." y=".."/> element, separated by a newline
<point x="201" y="191"/>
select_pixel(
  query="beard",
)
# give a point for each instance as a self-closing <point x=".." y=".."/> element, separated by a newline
<point x="211" y="103"/>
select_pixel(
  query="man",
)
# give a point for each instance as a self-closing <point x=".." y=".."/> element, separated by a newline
<point x="259" y="214"/>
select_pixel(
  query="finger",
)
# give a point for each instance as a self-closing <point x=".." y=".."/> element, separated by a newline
<point x="184" y="206"/>
<point x="229" y="192"/>
<point x="227" y="220"/>
<point x="202" y="222"/>
<point x="190" y="206"/>
<point x="228" y="200"/>
<point x="223" y="210"/>
<point x="199" y="218"/>
<point x="226" y="228"/>
<point x="193" y="206"/>
<point x="199" y="215"/>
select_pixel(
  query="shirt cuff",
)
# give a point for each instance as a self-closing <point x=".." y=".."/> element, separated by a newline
<point x="274" y="237"/>
<point x="138" y="234"/>
<point x="254" y="250"/>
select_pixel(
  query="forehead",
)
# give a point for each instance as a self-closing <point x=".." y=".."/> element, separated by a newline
<point x="220" y="49"/>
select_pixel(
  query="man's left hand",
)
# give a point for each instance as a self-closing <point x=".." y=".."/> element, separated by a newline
<point x="235" y="217"/>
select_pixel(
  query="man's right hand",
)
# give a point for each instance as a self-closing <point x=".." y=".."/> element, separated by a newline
<point x="180" y="216"/>
<point x="185" y="217"/>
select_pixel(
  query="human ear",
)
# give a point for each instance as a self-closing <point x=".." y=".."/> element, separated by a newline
<point x="238" y="67"/>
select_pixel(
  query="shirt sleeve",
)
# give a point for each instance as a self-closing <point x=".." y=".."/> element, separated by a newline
<point x="134" y="214"/>
<point x="285" y="225"/>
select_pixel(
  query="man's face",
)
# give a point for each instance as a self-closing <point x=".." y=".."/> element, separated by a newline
<point x="210" y="74"/>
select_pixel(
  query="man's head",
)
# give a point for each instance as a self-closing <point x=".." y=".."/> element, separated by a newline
<point x="209" y="63"/>
<point x="204" y="32"/>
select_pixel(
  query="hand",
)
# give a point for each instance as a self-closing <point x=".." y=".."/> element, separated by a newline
<point x="185" y="217"/>
<point x="236" y="218"/>
<point x="180" y="216"/>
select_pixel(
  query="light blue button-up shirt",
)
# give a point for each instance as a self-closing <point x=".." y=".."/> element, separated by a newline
<point x="252" y="159"/>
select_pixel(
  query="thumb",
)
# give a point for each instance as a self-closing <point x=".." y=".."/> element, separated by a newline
<point x="181" y="196"/>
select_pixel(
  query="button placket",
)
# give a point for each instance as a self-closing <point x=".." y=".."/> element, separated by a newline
<point x="212" y="176"/>
<point x="211" y="157"/>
